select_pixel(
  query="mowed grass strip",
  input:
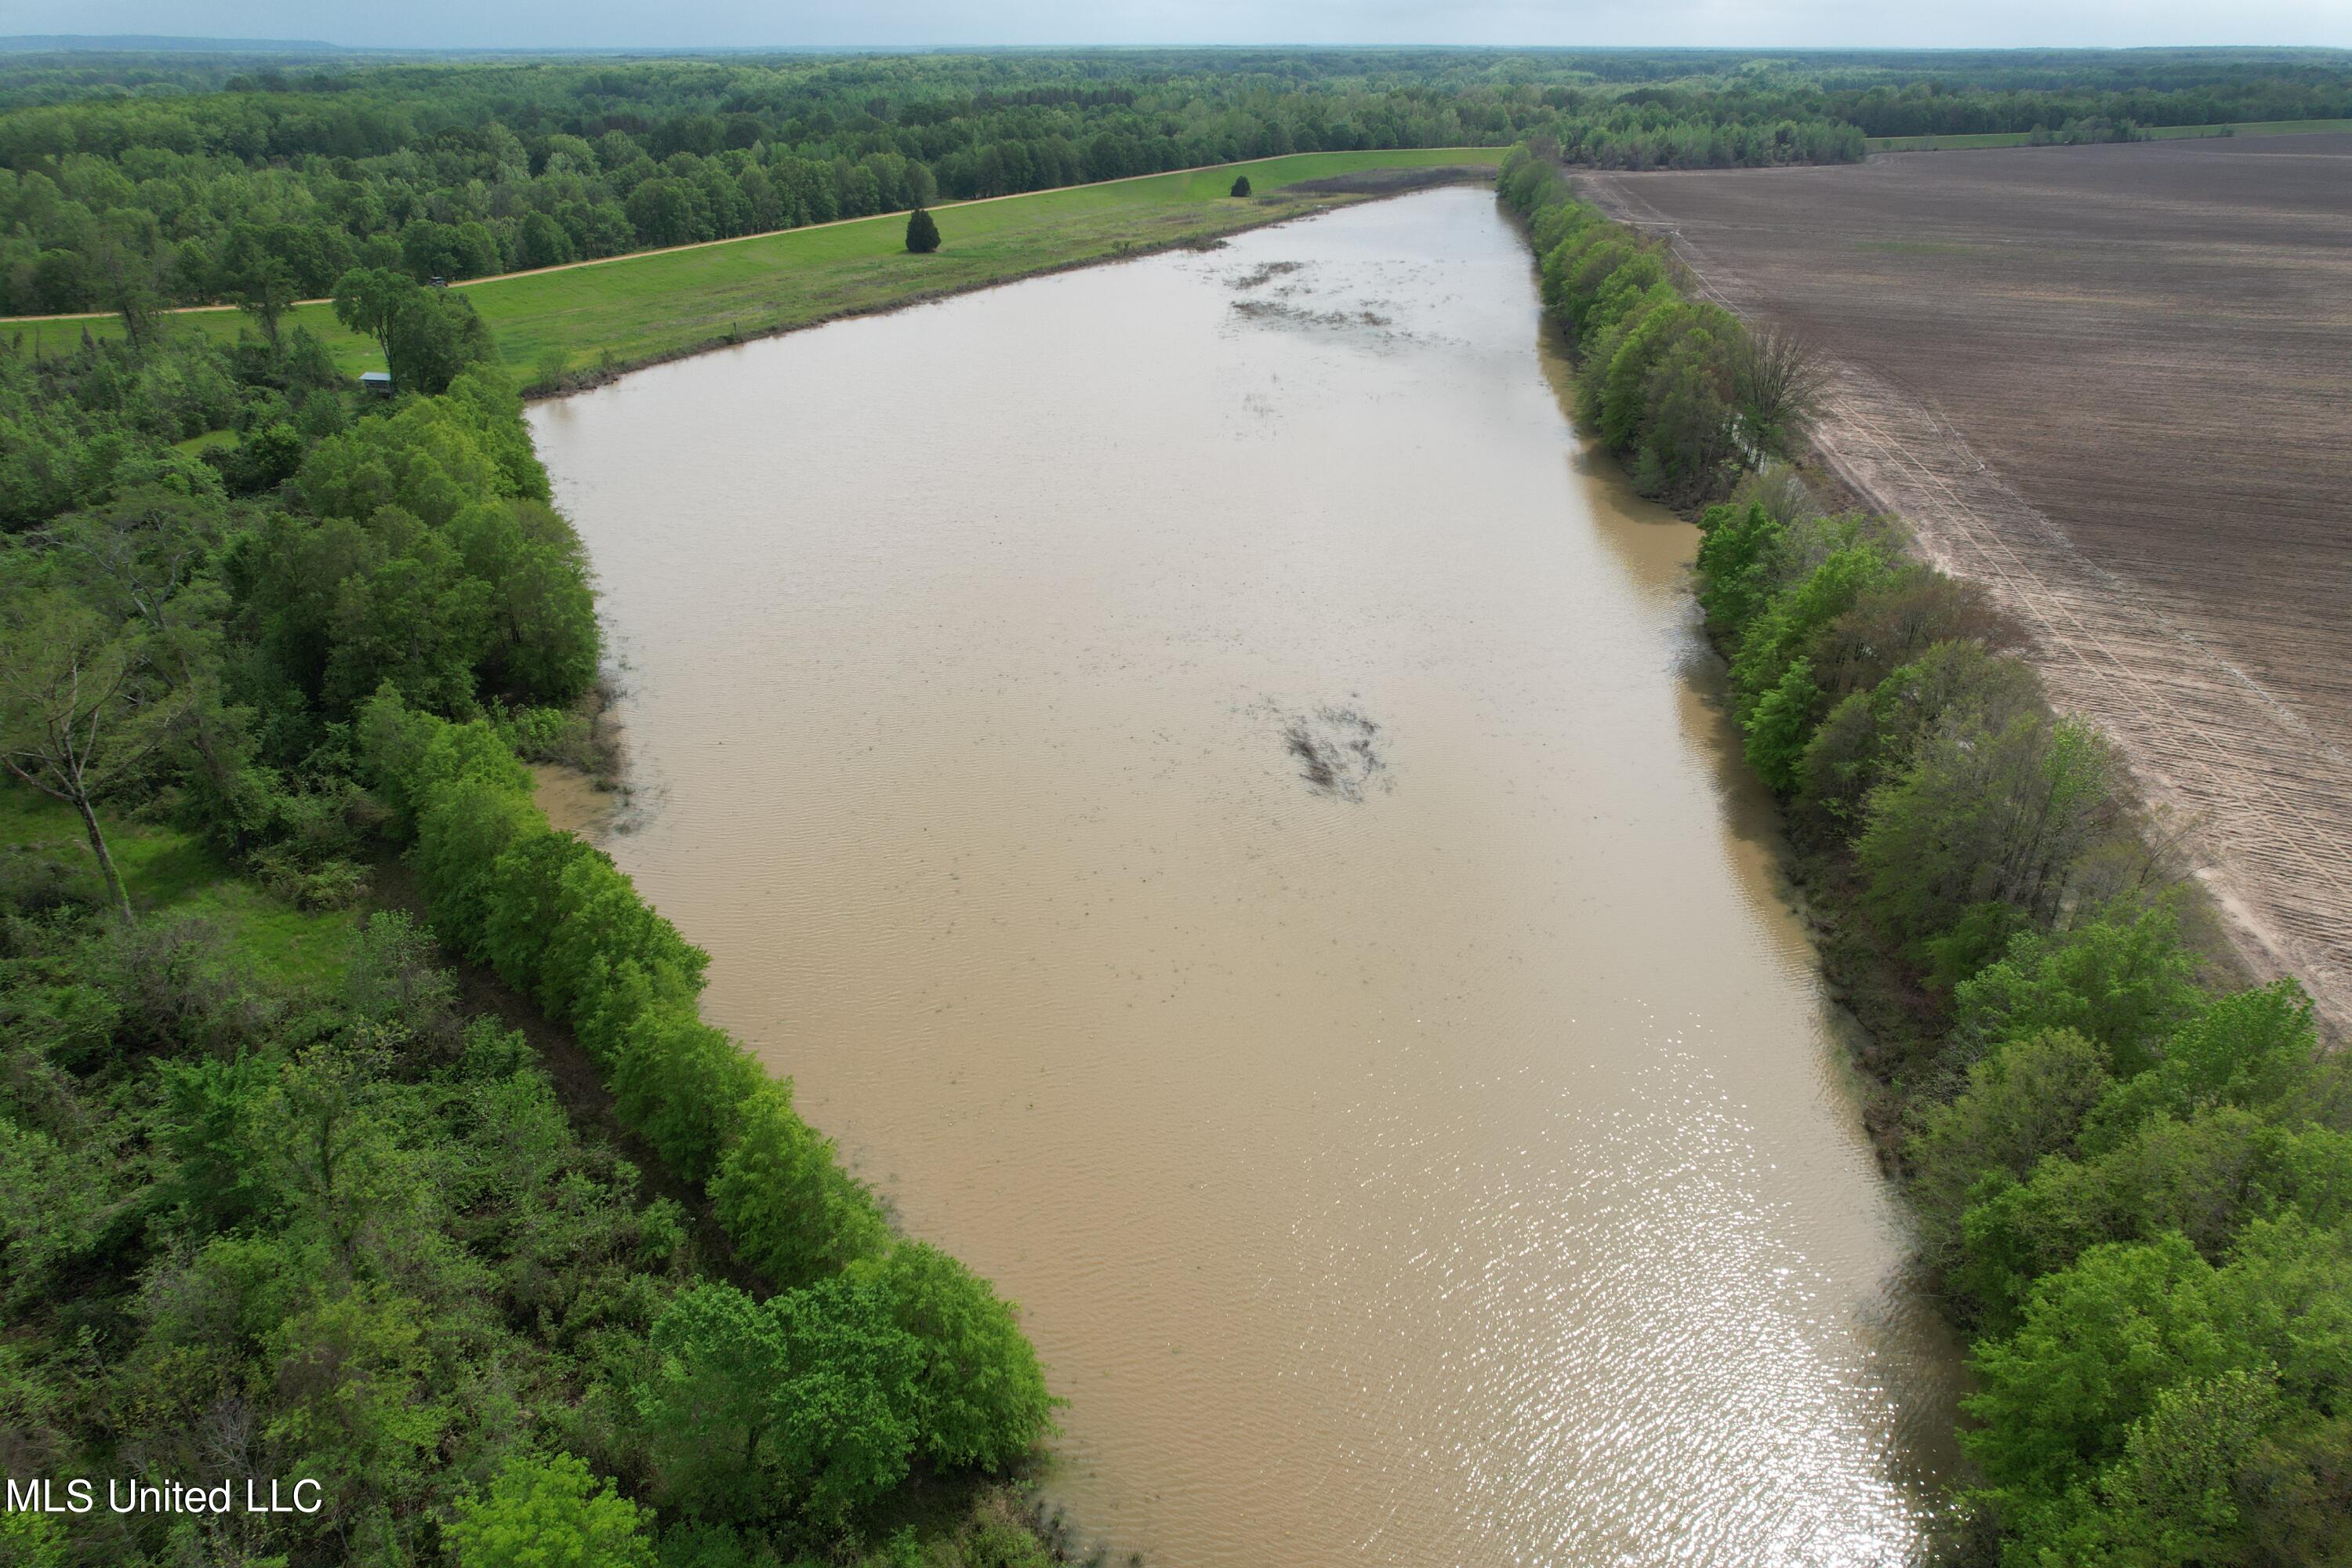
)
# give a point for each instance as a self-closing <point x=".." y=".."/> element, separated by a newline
<point x="1965" y="141"/>
<point x="640" y="309"/>
<point x="168" y="870"/>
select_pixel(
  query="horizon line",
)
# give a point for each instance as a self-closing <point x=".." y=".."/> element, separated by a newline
<point x="64" y="43"/>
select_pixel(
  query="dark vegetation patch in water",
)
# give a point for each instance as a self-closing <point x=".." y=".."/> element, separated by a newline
<point x="1283" y="311"/>
<point x="1267" y="272"/>
<point x="1338" y="752"/>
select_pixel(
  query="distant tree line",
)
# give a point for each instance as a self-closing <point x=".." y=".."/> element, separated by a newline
<point x="1935" y="109"/>
<point x="165" y="176"/>
<point x="2134" y="1182"/>
<point x="283" y="182"/>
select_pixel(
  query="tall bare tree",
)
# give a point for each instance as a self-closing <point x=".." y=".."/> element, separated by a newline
<point x="81" y="708"/>
<point x="143" y="558"/>
<point x="1777" y="382"/>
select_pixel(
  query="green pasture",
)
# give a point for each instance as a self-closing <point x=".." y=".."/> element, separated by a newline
<point x="642" y="307"/>
<point x="1966" y="140"/>
<point x="168" y="869"/>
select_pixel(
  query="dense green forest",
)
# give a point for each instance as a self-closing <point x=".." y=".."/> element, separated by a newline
<point x="2133" y="1179"/>
<point x="129" y="182"/>
<point x="279" y="1218"/>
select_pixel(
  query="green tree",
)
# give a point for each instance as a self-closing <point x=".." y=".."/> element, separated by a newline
<point x="922" y="232"/>
<point x="1686" y="446"/>
<point x="524" y="900"/>
<point x="1985" y="815"/>
<point x="213" y="1124"/>
<point x="1241" y="186"/>
<point x="148" y="556"/>
<point x="544" y="645"/>
<point x="2099" y="1342"/>
<point x="2024" y="1102"/>
<point x="1799" y="612"/>
<point x="847" y="1409"/>
<point x="409" y="614"/>
<point x="662" y="212"/>
<point x="795" y="1215"/>
<point x="707" y="1403"/>
<point x="1734" y="565"/>
<point x="257" y="280"/>
<point x="350" y="1383"/>
<point x="2123" y="980"/>
<point x="2255" y="1048"/>
<point x="31" y="1541"/>
<point x="1781" y="725"/>
<point x="464" y="830"/>
<point x="2174" y="1498"/>
<point x="435" y="335"/>
<point x="684" y="1085"/>
<point x="805" y="1403"/>
<point x="127" y="262"/>
<point x="428" y="336"/>
<point x="548" y="1513"/>
<point x="544" y="243"/>
<point x="1869" y="738"/>
<point x="368" y="299"/>
<point x="980" y="1394"/>
<point x="2153" y="1408"/>
<point x="1896" y="620"/>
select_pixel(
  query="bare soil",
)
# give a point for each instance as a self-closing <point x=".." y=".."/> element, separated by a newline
<point x="2115" y="384"/>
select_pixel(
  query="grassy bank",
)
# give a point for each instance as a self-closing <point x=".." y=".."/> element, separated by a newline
<point x="1971" y="140"/>
<point x="636" y="309"/>
<point x="169" y="870"/>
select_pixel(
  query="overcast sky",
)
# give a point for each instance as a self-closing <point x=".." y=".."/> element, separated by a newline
<point x="684" y="24"/>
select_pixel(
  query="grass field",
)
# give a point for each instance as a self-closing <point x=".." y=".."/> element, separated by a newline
<point x="166" y="870"/>
<point x="639" y="309"/>
<point x="1970" y="139"/>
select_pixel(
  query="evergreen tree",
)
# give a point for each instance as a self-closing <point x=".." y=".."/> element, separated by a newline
<point x="922" y="233"/>
<point x="1241" y="185"/>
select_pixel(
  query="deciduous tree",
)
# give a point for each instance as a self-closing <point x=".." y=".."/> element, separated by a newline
<point x="548" y="1513"/>
<point x="81" y="707"/>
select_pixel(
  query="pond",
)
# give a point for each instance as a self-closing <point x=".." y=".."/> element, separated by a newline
<point x="1212" y="797"/>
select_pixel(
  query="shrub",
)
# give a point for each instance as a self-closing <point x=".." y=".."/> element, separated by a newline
<point x="795" y="1215"/>
<point x="684" y="1085"/>
<point x="548" y="1513"/>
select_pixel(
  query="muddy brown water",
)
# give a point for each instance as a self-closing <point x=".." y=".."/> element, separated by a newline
<point x="1450" y="1161"/>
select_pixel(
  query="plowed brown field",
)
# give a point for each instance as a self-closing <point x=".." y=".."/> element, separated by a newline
<point x="2114" y="383"/>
